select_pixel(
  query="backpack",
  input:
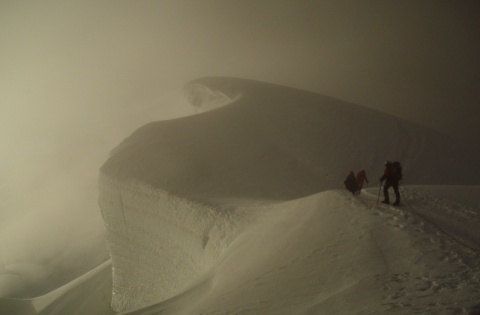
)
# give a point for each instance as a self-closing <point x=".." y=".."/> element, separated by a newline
<point x="397" y="170"/>
<point x="351" y="183"/>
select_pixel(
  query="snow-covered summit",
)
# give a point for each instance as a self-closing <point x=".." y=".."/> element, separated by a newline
<point x="274" y="142"/>
<point x="176" y="193"/>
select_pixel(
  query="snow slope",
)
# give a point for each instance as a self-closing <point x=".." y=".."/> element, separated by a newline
<point x="88" y="294"/>
<point x="331" y="253"/>
<point x="303" y="142"/>
<point x="241" y="210"/>
<point x="174" y="195"/>
<point x="326" y="253"/>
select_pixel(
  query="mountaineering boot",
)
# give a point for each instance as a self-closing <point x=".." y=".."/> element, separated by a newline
<point x="386" y="202"/>
<point x="396" y="203"/>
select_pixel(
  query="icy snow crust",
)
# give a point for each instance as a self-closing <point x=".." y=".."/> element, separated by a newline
<point x="159" y="242"/>
<point x="183" y="198"/>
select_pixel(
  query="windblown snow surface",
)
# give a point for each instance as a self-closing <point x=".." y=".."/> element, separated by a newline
<point x="241" y="210"/>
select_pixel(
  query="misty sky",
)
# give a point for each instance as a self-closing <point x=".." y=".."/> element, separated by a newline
<point x="78" y="77"/>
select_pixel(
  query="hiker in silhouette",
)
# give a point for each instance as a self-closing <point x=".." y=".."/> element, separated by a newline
<point x="351" y="183"/>
<point x="361" y="179"/>
<point x="392" y="176"/>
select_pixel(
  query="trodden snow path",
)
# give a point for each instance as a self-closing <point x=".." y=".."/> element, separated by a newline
<point x="448" y="277"/>
<point x="332" y="253"/>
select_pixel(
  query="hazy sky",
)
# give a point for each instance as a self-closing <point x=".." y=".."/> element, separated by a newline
<point x="78" y="77"/>
<point x="418" y="59"/>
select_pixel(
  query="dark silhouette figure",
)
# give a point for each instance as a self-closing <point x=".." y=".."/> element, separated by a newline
<point x="361" y="179"/>
<point x="392" y="176"/>
<point x="351" y="183"/>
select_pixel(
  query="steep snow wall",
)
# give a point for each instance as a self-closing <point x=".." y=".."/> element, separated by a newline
<point x="159" y="243"/>
<point x="166" y="191"/>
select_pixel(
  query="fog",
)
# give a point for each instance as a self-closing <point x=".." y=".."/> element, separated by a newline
<point x="77" y="78"/>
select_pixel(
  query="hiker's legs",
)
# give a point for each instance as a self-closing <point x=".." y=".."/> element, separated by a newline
<point x="385" y="193"/>
<point x="359" y="187"/>
<point x="397" y="194"/>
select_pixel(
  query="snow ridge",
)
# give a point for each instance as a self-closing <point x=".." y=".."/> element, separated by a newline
<point x="159" y="242"/>
<point x="172" y="194"/>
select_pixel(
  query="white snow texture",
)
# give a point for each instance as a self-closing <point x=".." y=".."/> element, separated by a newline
<point x="158" y="241"/>
<point x="182" y="198"/>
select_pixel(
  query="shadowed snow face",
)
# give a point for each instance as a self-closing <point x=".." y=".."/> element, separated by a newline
<point x="77" y="78"/>
<point x="171" y="194"/>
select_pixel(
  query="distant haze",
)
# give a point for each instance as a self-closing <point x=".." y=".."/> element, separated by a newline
<point x="78" y="77"/>
<point x="416" y="59"/>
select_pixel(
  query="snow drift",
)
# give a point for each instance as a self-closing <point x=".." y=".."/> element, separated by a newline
<point x="177" y="194"/>
<point x="328" y="253"/>
<point x="236" y="211"/>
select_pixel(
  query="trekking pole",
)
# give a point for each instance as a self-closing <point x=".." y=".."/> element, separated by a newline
<point x="379" y="190"/>
<point x="402" y="192"/>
